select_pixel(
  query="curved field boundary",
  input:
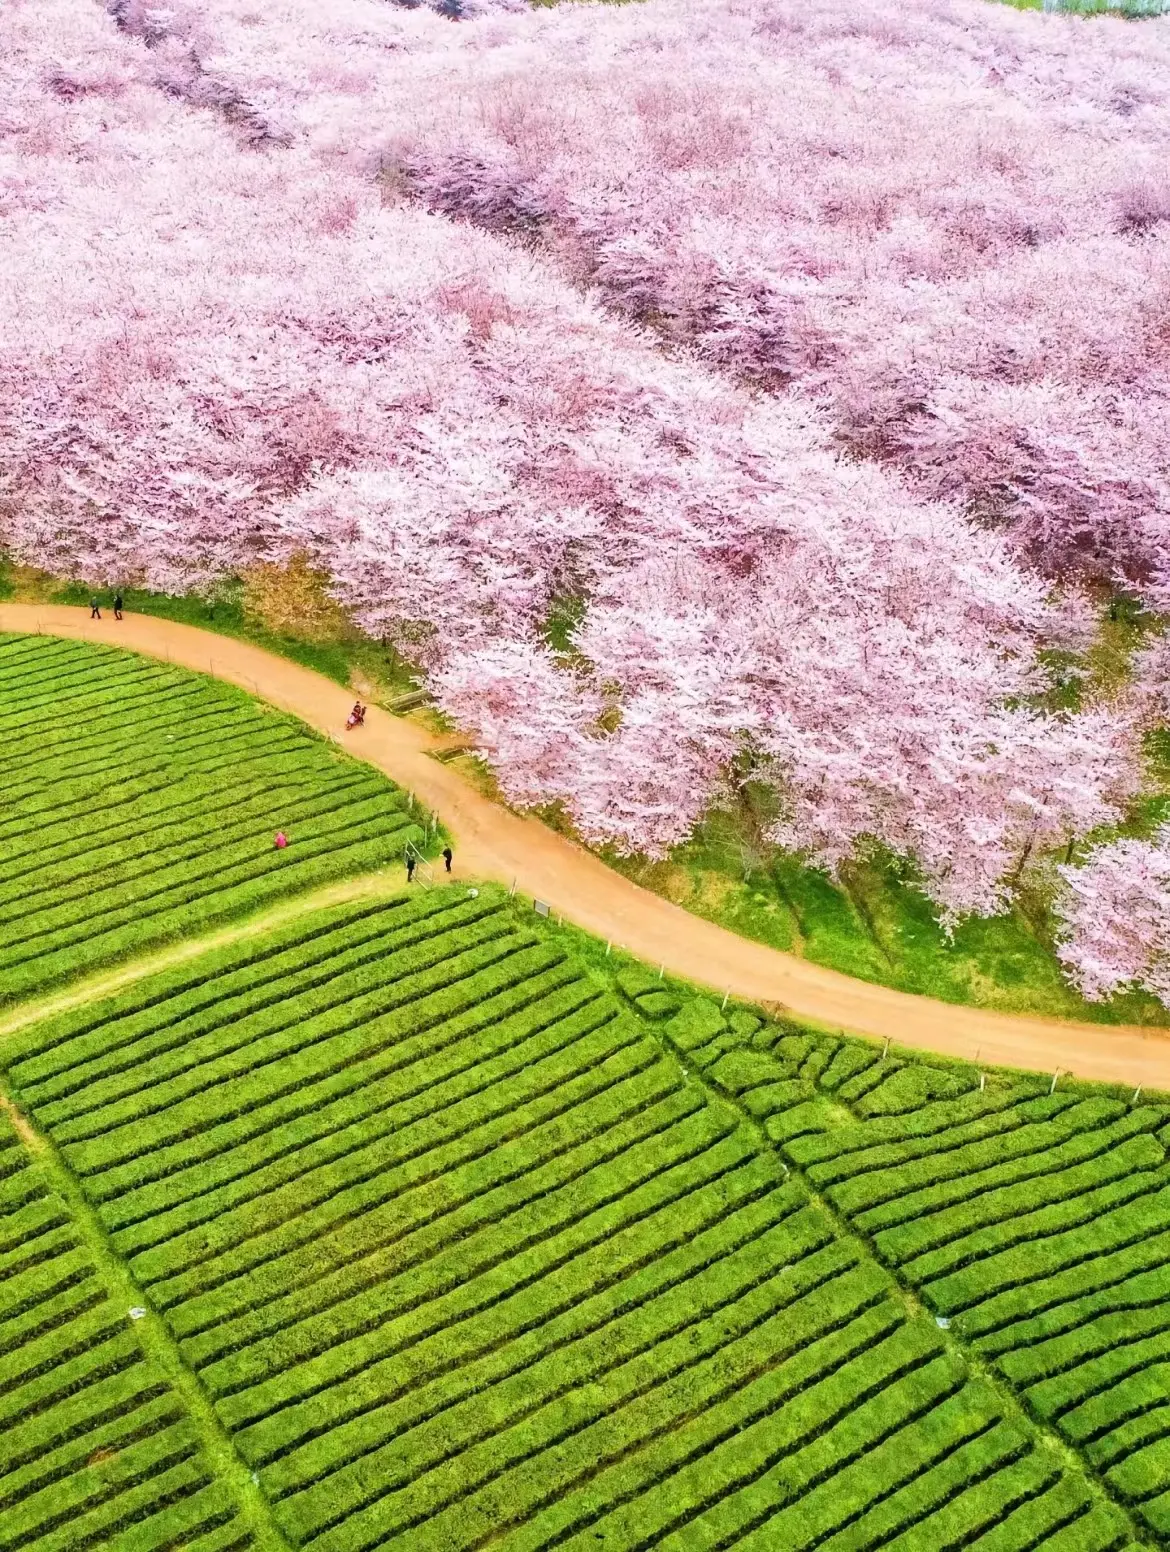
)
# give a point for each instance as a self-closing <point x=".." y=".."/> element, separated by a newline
<point x="493" y="843"/>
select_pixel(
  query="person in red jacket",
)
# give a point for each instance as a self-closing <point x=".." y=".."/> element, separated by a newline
<point x="281" y="840"/>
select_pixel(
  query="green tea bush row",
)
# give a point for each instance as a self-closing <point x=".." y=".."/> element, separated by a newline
<point x="165" y="713"/>
<point x="524" y="1469"/>
<point x="182" y="771"/>
<point x="1130" y="1396"/>
<point x="39" y="1391"/>
<point x="252" y="1039"/>
<point x="417" y="1154"/>
<point x="1144" y="1290"/>
<point x="223" y="821"/>
<point x="154" y="841"/>
<point x="1064" y="1356"/>
<point x="988" y="1508"/>
<point x="1143" y="1474"/>
<point x="329" y="1331"/>
<point x="159" y="1212"/>
<point x="916" y="1133"/>
<point x="891" y="1187"/>
<point x="837" y="1477"/>
<point x="1082" y="1247"/>
<point x="552" y="1174"/>
<point x="555" y="1393"/>
<point x="661" y="1365"/>
<point x="23" y="1223"/>
<point x="31" y="1252"/>
<point x="911" y="1086"/>
<point x="908" y="1512"/>
<point x="1120" y="1443"/>
<point x="718" y="1499"/>
<point x="135" y="1504"/>
<point x="244" y="974"/>
<point x="339" y="1039"/>
<point x="544" y="1280"/>
<point x="996" y="1112"/>
<point x="99" y="1397"/>
<point x="95" y="1448"/>
<point x="1051" y="1398"/>
<point x="243" y="890"/>
<point x="64" y="1501"/>
<point x="239" y="853"/>
<point x="125" y="1428"/>
<point x="1137" y="1171"/>
<point x="119" y="816"/>
<point x="649" y="1488"/>
<point x="135" y="1041"/>
<point x="1063" y="1516"/>
<point x="44" y="803"/>
<point x="1027" y="1300"/>
<point x="1087" y="1164"/>
<point x="58" y="1264"/>
<point x="19" y="1187"/>
<point x="508" y="1337"/>
<point x="855" y="1089"/>
<point x="42" y="1353"/>
<point x="325" y="1062"/>
<point x="70" y="698"/>
<point x="51" y="1310"/>
<point x="448" y="1018"/>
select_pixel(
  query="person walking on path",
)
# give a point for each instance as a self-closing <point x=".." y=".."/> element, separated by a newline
<point x="95" y="608"/>
<point x="448" y="854"/>
<point x="117" y="606"/>
<point x="409" y="869"/>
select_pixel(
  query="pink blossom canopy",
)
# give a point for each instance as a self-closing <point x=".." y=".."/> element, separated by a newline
<point x="230" y="331"/>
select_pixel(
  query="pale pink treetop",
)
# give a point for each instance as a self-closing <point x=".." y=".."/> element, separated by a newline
<point x="1116" y="934"/>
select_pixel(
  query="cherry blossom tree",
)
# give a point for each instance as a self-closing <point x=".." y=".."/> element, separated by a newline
<point x="1116" y="931"/>
<point x="948" y="222"/>
<point x="222" y="339"/>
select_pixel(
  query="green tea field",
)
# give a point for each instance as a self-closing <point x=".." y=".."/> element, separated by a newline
<point x="139" y="802"/>
<point x="415" y="1222"/>
<point x="440" y="1245"/>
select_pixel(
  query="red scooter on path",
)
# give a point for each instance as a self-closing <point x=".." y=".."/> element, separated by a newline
<point x="356" y="717"/>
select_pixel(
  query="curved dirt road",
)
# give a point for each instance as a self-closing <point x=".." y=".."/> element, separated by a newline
<point x="490" y="842"/>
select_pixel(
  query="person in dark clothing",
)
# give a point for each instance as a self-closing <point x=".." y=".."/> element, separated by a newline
<point x="410" y="870"/>
<point x="448" y="854"/>
<point x="95" y="609"/>
<point x="117" y="606"/>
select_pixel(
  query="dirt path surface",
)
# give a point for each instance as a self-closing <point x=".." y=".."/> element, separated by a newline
<point x="490" y="842"/>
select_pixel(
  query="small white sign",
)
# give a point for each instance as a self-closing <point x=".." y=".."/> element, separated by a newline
<point x="942" y="1322"/>
<point x="541" y="907"/>
<point x="136" y="1312"/>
